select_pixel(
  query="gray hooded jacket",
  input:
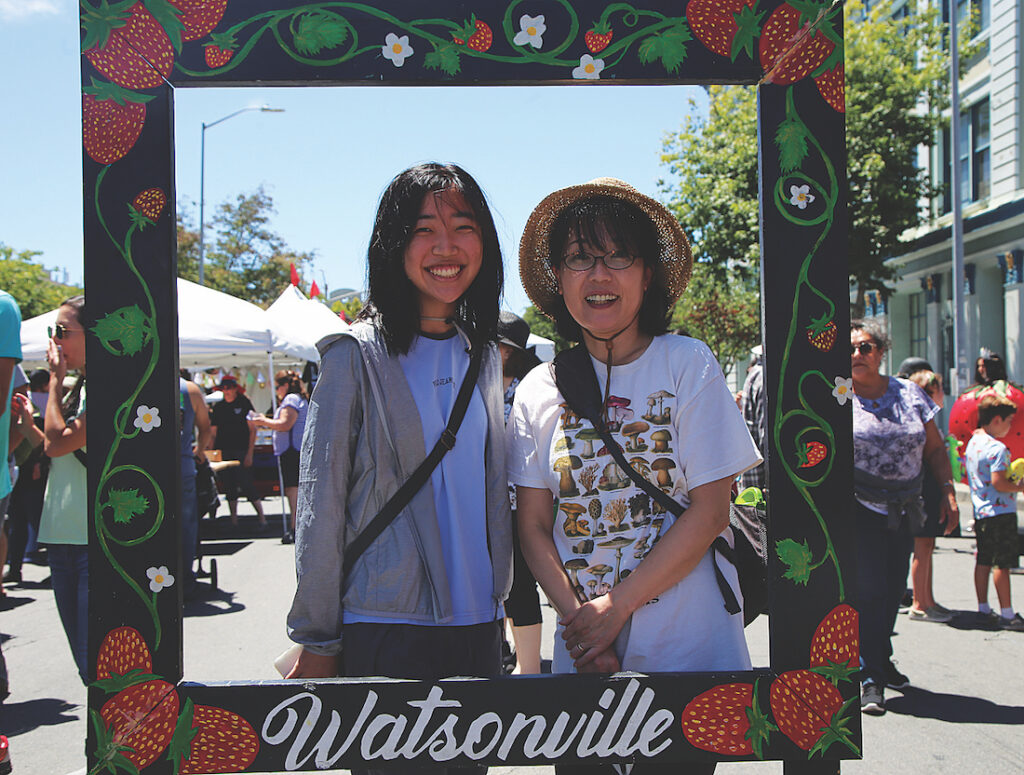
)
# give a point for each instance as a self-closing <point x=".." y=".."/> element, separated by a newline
<point x="363" y="439"/>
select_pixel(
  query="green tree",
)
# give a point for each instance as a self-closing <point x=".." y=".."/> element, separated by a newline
<point x="723" y="314"/>
<point x="895" y="95"/>
<point x="188" y="247"/>
<point x="244" y="256"/>
<point x="542" y="325"/>
<point x="351" y="307"/>
<point x="29" y="282"/>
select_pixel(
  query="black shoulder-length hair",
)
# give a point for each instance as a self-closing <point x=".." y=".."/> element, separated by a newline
<point x="594" y="219"/>
<point x="392" y="303"/>
<point x="73" y="400"/>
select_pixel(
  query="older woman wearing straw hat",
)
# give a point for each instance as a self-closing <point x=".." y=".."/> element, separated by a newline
<point x="635" y="587"/>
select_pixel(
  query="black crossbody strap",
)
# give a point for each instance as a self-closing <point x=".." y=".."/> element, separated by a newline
<point x="419" y="477"/>
<point x="575" y="379"/>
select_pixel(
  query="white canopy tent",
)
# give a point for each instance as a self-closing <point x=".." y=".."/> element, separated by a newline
<point x="214" y="329"/>
<point x="545" y="347"/>
<point x="299" y="323"/>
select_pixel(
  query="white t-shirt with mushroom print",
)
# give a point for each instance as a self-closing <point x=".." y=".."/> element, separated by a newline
<point x="678" y="424"/>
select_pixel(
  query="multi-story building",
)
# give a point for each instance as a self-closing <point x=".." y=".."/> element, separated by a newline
<point x="991" y="159"/>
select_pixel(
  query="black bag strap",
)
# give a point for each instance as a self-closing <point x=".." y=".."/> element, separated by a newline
<point x="80" y="454"/>
<point x="576" y="380"/>
<point x="419" y="477"/>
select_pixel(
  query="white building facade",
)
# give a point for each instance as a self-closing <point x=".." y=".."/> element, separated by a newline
<point x="991" y="158"/>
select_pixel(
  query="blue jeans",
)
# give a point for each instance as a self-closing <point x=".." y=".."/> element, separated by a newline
<point x="189" y="528"/>
<point x="69" y="573"/>
<point x="883" y="559"/>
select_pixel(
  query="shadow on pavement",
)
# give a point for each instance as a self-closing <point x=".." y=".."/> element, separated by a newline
<point x="206" y="601"/>
<point x="954" y="708"/>
<point x="972" y="620"/>
<point x="19" y="717"/>
<point x="9" y="602"/>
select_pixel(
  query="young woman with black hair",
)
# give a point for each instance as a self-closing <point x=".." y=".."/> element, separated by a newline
<point x="425" y="598"/>
<point x="63" y="526"/>
<point x="634" y="586"/>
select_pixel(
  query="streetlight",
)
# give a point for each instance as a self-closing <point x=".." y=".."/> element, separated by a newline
<point x="202" y="174"/>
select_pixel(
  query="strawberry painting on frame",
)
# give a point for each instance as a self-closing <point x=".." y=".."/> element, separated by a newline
<point x="801" y="709"/>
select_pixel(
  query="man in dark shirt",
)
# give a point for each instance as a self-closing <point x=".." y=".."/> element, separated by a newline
<point x="235" y="437"/>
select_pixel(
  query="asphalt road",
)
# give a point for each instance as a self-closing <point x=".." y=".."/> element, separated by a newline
<point x="964" y="713"/>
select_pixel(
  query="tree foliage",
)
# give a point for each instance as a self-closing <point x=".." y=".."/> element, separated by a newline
<point x="244" y="256"/>
<point x="712" y="191"/>
<point x="29" y="282"/>
<point x="895" y="94"/>
<point x="722" y="314"/>
<point x="351" y="307"/>
<point x="541" y="325"/>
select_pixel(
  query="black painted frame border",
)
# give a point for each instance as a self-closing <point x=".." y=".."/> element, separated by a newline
<point x="129" y="77"/>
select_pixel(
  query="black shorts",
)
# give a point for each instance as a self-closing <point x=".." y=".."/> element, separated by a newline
<point x="289" y="460"/>
<point x="997" y="541"/>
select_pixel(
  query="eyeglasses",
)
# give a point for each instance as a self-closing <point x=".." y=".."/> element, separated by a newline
<point x="864" y="348"/>
<point x="60" y="331"/>
<point x="581" y="262"/>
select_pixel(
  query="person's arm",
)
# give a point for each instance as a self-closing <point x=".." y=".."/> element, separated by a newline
<point x="62" y="438"/>
<point x="204" y="440"/>
<point x="1001" y="483"/>
<point x="288" y="416"/>
<point x="535" y="518"/>
<point x="251" y="450"/>
<point x="596" y="623"/>
<point x="23" y="424"/>
<point x="937" y="457"/>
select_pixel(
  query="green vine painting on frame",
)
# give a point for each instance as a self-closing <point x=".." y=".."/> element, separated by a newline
<point x="136" y="515"/>
<point x="326" y="34"/>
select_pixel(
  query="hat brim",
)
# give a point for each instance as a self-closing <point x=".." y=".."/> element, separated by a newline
<point x="675" y="259"/>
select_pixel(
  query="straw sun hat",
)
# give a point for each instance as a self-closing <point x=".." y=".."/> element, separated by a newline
<point x="675" y="260"/>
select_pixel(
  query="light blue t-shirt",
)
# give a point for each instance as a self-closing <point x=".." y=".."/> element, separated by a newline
<point x="10" y="347"/>
<point x="434" y="369"/>
<point x="986" y="454"/>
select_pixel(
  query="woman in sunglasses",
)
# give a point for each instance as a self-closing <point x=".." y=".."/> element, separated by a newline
<point x="63" y="526"/>
<point x="894" y="437"/>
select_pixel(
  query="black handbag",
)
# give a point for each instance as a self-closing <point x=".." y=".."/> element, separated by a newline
<point x="419" y="477"/>
<point x="575" y="379"/>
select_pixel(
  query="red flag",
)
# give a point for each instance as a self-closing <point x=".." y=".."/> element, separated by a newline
<point x="343" y="316"/>
<point x="314" y="291"/>
<point x="295" y="276"/>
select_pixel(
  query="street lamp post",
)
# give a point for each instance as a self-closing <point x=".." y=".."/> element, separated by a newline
<point x="202" y="176"/>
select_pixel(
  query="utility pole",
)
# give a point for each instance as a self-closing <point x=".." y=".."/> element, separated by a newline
<point x="960" y="378"/>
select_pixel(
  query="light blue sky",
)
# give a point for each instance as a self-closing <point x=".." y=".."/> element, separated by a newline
<point x="327" y="158"/>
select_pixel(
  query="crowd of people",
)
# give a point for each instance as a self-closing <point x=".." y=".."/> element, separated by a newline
<point x="412" y="549"/>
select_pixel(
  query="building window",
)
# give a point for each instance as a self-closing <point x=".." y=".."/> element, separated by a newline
<point x="918" y="325"/>
<point x="973" y="156"/>
<point x="978" y="9"/>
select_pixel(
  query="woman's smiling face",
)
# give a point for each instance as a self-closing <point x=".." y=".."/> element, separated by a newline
<point x="603" y="301"/>
<point x="445" y="252"/>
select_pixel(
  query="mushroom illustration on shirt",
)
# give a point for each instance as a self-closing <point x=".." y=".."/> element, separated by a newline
<point x="663" y="414"/>
<point x="632" y="431"/>
<point x="663" y="465"/>
<point x="574" y="527"/>
<point x="564" y="466"/>
<point x="617" y="412"/>
<point x="588" y="436"/>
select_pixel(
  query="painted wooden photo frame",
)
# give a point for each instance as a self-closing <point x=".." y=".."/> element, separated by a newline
<point x="802" y="709"/>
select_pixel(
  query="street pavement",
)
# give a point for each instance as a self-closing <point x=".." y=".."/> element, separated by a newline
<point x="964" y="713"/>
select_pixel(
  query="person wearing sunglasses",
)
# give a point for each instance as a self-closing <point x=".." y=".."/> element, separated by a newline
<point x="894" y="437"/>
<point x="63" y="525"/>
